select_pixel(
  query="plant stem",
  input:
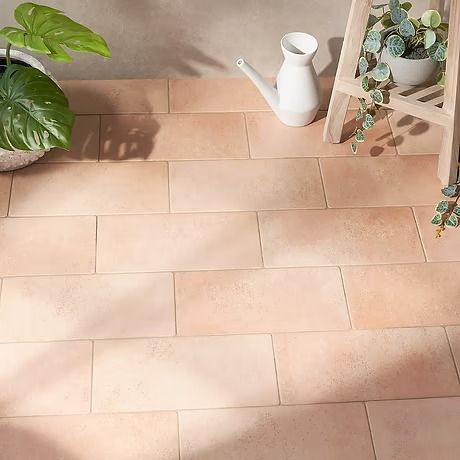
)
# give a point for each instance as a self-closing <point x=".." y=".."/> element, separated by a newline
<point x="8" y="54"/>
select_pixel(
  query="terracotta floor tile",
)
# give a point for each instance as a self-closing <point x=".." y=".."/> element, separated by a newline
<point x="50" y="245"/>
<point x="332" y="432"/>
<point x="85" y="142"/>
<point x="403" y="295"/>
<point x="339" y="237"/>
<point x="87" y="307"/>
<point x="178" y="242"/>
<point x="422" y="429"/>
<point x="91" y="437"/>
<point x="248" y="301"/>
<point x="85" y="188"/>
<point x="228" y="95"/>
<point x="385" y="181"/>
<point x="116" y="96"/>
<point x="5" y="187"/>
<point x="173" y="137"/>
<point x="318" y="367"/>
<point x="269" y="138"/>
<point x="183" y="373"/>
<point x="414" y="136"/>
<point x="454" y="339"/>
<point x="45" y="378"/>
<point x="236" y="185"/>
<point x="446" y="248"/>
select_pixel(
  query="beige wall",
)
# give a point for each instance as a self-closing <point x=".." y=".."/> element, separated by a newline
<point x="196" y="38"/>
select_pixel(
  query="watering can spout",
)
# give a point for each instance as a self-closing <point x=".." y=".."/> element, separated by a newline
<point x="269" y="93"/>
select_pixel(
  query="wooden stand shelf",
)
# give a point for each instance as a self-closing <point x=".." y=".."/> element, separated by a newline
<point x="430" y="103"/>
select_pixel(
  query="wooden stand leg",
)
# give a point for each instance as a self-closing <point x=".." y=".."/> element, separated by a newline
<point x="336" y="114"/>
<point x="449" y="155"/>
<point x="351" y="49"/>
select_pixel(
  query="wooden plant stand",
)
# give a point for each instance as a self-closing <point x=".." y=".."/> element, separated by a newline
<point x="428" y="103"/>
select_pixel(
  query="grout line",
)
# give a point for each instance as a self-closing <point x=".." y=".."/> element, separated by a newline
<point x="168" y="167"/>
<point x="370" y="429"/>
<point x="222" y="335"/>
<point x="247" y="135"/>
<point x="260" y="240"/>
<point x="419" y="233"/>
<point x="178" y="434"/>
<point x="276" y="369"/>
<point x="206" y="409"/>
<point x="218" y="211"/>
<point x="95" y="245"/>
<point x="457" y="368"/>
<point x="175" y="303"/>
<point x="322" y="182"/>
<point x="100" y="139"/>
<point x="10" y="194"/>
<point x="346" y="298"/>
<point x="92" y="378"/>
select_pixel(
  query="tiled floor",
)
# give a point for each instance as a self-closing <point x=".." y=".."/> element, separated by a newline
<point x="195" y="280"/>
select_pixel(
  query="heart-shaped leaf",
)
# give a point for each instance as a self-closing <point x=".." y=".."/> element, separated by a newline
<point x="359" y="136"/>
<point x="452" y="221"/>
<point x="46" y="30"/>
<point x="363" y="65"/>
<point x="381" y="71"/>
<point x="450" y="191"/>
<point x="456" y="211"/>
<point x="441" y="79"/>
<point x="393" y="4"/>
<point x="429" y="38"/>
<point x="359" y="115"/>
<point x="406" y="6"/>
<point x="437" y="219"/>
<point x="34" y="112"/>
<point x="377" y="96"/>
<point x="368" y="121"/>
<point x="431" y="18"/>
<point x="438" y="52"/>
<point x="398" y="15"/>
<point x="395" y="45"/>
<point x="362" y="104"/>
<point x="406" y="28"/>
<point x="354" y="147"/>
<point x="372" y="43"/>
<point x="442" y="206"/>
<point x="365" y="83"/>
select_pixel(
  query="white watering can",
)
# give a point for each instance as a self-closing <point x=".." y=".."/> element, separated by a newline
<point x="296" y="97"/>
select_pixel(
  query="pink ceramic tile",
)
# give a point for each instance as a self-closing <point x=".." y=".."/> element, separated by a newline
<point x="173" y="242"/>
<point x="385" y="181"/>
<point x="45" y="378"/>
<point x="332" y="431"/>
<point x="422" y="429"/>
<point x="339" y="237"/>
<point x="446" y="248"/>
<point x="91" y="437"/>
<point x="240" y="301"/>
<point x="90" y="188"/>
<point x="414" y="136"/>
<point x="173" y="137"/>
<point x="364" y="365"/>
<point x="116" y="96"/>
<point x="403" y="295"/>
<point x="47" y="245"/>
<point x="269" y="138"/>
<point x="454" y="339"/>
<point x="235" y="185"/>
<point x="183" y="373"/>
<point x="5" y="187"/>
<point x="85" y="142"/>
<point x="87" y="307"/>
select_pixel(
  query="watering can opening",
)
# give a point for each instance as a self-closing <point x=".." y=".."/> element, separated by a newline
<point x="299" y="45"/>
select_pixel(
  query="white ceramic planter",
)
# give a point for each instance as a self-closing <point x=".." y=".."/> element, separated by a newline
<point x="410" y="72"/>
<point x="10" y="161"/>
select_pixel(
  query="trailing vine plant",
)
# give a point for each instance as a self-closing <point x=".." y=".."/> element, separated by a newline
<point x="392" y="27"/>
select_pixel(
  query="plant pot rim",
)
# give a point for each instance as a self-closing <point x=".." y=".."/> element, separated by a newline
<point x="385" y="49"/>
<point x="24" y="57"/>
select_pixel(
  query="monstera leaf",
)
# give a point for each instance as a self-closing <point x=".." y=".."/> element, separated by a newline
<point x="34" y="112"/>
<point x="46" y="30"/>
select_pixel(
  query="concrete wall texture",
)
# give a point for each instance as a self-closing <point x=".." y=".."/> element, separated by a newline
<point x="196" y="38"/>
